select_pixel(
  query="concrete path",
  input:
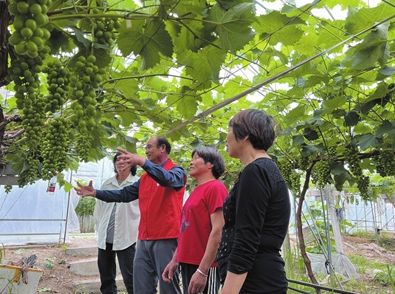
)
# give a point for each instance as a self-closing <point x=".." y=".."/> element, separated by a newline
<point x="84" y="248"/>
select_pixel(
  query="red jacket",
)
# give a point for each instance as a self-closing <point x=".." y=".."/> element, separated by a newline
<point x="160" y="208"/>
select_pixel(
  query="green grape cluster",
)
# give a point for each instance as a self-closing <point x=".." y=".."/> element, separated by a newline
<point x="294" y="181"/>
<point x="332" y="152"/>
<point x="30" y="172"/>
<point x="322" y="173"/>
<point x="82" y="145"/>
<point x="385" y="163"/>
<point x="32" y="105"/>
<point x="104" y="31"/>
<point x="58" y="78"/>
<point x="29" y="43"/>
<point x="33" y="120"/>
<point x="30" y="19"/>
<point x="24" y="73"/>
<point x="55" y="147"/>
<point x="363" y="183"/>
<point x="291" y="177"/>
<point x="285" y="168"/>
<point x="351" y="156"/>
<point x="29" y="47"/>
<point x="86" y="80"/>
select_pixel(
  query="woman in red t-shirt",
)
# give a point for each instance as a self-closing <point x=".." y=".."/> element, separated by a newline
<point x="201" y="225"/>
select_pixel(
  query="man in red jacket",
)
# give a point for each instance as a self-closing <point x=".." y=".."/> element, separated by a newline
<point x="160" y="192"/>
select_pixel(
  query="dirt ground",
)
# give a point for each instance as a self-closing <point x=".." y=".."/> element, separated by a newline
<point x="53" y="260"/>
<point x="57" y="277"/>
<point x="369" y="249"/>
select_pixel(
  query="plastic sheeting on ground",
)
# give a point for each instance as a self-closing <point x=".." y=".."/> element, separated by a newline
<point x="341" y="265"/>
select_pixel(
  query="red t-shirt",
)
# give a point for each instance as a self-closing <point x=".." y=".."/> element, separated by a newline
<point x="196" y="222"/>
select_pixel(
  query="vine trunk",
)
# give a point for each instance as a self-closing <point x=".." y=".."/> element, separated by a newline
<point x="302" y="245"/>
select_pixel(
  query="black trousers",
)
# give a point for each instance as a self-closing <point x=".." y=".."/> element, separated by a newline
<point x="187" y="271"/>
<point x="107" y="268"/>
<point x="267" y="275"/>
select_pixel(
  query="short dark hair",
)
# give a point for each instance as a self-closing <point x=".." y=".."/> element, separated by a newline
<point x="163" y="141"/>
<point x="210" y="154"/>
<point x="133" y="169"/>
<point x="257" y="125"/>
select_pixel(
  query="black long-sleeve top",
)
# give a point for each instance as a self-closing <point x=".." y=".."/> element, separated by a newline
<point x="257" y="214"/>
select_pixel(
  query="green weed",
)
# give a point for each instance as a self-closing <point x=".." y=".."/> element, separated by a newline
<point x="49" y="263"/>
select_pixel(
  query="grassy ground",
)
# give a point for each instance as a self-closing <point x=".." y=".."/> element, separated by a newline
<point x="373" y="257"/>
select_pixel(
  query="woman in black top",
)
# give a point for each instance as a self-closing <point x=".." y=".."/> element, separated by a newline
<point x="256" y="212"/>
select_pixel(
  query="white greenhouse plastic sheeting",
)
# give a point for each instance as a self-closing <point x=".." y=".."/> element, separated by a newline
<point x="32" y="215"/>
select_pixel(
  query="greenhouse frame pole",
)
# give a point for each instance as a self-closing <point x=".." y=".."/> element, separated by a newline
<point x="67" y="210"/>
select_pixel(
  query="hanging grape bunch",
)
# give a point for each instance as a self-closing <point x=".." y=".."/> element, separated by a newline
<point x="58" y="78"/>
<point x="351" y="156"/>
<point x="28" y="43"/>
<point x="363" y="182"/>
<point x="55" y="147"/>
<point x="104" y="30"/>
<point x="291" y="177"/>
<point x="30" y="172"/>
<point x="85" y="81"/>
<point x="322" y="173"/>
<point x="385" y="163"/>
<point x="30" y="17"/>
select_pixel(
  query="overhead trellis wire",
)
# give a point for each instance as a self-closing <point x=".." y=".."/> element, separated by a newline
<point x="273" y="78"/>
<point x="389" y="3"/>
